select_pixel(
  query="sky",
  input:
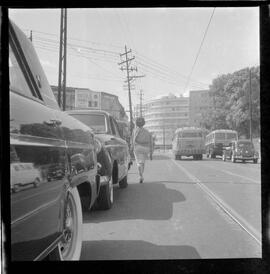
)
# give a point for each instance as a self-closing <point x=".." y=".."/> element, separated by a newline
<point x="165" y="42"/>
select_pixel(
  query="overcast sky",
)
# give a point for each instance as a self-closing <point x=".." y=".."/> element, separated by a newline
<point x="164" y="42"/>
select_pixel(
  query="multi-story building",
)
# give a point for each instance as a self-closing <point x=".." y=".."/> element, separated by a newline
<point x="200" y="103"/>
<point x="81" y="98"/>
<point x="164" y="115"/>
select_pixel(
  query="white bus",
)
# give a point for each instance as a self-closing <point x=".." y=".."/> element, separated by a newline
<point x="216" y="140"/>
<point x="188" y="141"/>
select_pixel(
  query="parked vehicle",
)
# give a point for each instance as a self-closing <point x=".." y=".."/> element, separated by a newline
<point x="113" y="152"/>
<point x="46" y="222"/>
<point x="188" y="141"/>
<point x="24" y="174"/>
<point x="240" y="150"/>
<point x="216" y="140"/>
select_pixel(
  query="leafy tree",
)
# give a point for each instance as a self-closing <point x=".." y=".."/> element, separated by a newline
<point x="230" y="97"/>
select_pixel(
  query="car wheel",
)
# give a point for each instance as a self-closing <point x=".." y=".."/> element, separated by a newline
<point x="123" y="183"/>
<point x="36" y="182"/>
<point x="105" y="198"/>
<point x="71" y="245"/>
<point x="255" y="161"/>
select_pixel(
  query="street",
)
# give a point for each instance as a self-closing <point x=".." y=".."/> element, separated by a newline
<point x="185" y="209"/>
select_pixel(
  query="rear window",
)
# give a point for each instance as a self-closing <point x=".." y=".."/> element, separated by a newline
<point x="190" y="134"/>
<point x="96" y="121"/>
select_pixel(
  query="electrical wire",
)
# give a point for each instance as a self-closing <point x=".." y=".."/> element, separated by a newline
<point x="198" y="53"/>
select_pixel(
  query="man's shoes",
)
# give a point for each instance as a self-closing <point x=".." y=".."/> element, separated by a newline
<point x="141" y="180"/>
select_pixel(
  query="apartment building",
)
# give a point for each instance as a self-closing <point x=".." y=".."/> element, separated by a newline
<point x="163" y="115"/>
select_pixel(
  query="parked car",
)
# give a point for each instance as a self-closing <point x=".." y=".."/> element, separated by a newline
<point x="24" y="174"/>
<point x="240" y="150"/>
<point x="46" y="222"/>
<point x="113" y="152"/>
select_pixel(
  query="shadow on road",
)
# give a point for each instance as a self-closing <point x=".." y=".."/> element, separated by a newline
<point x="135" y="250"/>
<point x="139" y="201"/>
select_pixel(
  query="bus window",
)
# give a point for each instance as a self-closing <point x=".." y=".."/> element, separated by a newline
<point x="220" y="136"/>
<point x="231" y="135"/>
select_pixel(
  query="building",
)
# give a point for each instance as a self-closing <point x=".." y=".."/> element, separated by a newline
<point x="80" y="98"/>
<point x="200" y="104"/>
<point x="164" y="115"/>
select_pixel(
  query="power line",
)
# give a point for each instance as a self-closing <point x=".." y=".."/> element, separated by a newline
<point x="74" y="39"/>
<point x="200" y="48"/>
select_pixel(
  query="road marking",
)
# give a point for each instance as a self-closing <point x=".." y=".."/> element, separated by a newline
<point x="234" y="174"/>
<point x="226" y="208"/>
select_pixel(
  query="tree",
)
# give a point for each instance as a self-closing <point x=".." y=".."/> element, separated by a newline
<point x="230" y="97"/>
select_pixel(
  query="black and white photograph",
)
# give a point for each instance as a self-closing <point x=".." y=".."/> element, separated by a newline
<point x="135" y="133"/>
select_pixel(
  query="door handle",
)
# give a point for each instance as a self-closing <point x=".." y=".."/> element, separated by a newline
<point x="53" y="122"/>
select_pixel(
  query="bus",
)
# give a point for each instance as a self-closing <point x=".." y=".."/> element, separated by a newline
<point x="216" y="140"/>
<point x="188" y="141"/>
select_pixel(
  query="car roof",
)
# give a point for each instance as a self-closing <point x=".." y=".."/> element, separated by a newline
<point x="87" y="111"/>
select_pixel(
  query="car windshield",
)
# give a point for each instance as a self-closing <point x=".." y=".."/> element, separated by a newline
<point x="190" y="134"/>
<point x="95" y="121"/>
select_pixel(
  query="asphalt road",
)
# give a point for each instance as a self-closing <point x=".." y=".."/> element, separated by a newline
<point x="185" y="209"/>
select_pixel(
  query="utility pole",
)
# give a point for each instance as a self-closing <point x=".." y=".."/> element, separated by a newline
<point x="129" y="69"/>
<point x="62" y="60"/>
<point x="250" y="107"/>
<point x="141" y="95"/>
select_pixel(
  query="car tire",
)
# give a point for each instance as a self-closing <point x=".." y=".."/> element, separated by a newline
<point x="255" y="161"/>
<point x="105" y="198"/>
<point x="71" y="251"/>
<point x="36" y="182"/>
<point x="123" y="183"/>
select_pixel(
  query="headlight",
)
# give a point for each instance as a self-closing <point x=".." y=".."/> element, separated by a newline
<point x="98" y="145"/>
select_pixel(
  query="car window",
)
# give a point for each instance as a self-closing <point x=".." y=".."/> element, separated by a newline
<point x="16" y="78"/>
<point x="38" y="76"/>
<point x="112" y="126"/>
<point x="116" y="129"/>
<point x="95" y="121"/>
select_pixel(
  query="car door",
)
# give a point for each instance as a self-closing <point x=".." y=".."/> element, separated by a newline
<point x="119" y="149"/>
<point x="81" y="152"/>
<point x="34" y="139"/>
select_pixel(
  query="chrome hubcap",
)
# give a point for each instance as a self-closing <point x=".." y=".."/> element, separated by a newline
<point x="66" y="244"/>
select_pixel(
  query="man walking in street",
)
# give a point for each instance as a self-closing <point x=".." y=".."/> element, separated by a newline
<point x="142" y="145"/>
